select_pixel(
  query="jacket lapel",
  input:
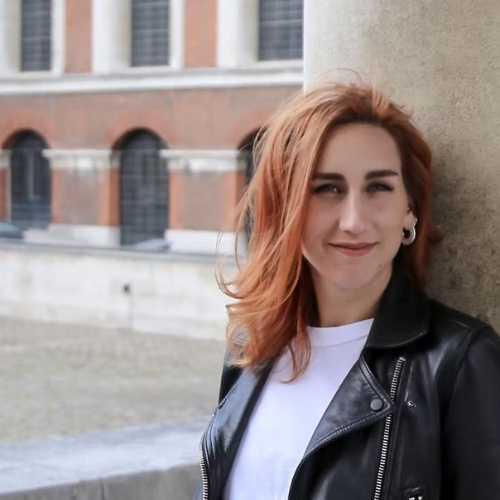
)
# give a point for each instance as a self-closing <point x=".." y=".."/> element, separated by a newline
<point x="228" y="424"/>
<point x="359" y="402"/>
<point x="403" y="316"/>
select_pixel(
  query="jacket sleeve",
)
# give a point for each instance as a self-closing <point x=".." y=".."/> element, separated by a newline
<point x="228" y="377"/>
<point x="471" y="427"/>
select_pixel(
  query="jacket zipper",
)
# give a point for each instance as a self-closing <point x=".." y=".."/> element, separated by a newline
<point x="203" y="463"/>
<point x="204" y="475"/>
<point x="387" y="430"/>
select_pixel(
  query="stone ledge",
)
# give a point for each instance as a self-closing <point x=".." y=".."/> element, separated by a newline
<point x="149" y="463"/>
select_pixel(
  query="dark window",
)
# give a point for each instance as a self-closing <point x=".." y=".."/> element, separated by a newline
<point x="150" y="32"/>
<point x="36" y="27"/>
<point x="143" y="189"/>
<point x="280" y="29"/>
<point x="247" y="155"/>
<point x="30" y="182"/>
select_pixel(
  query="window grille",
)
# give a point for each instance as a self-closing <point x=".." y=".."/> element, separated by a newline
<point x="247" y="154"/>
<point x="143" y="189"/>
<point x="280" y="29"/>
<point x="150" y="32"/>
<point x="36" y="27"/>
<point x="30" y="182"/>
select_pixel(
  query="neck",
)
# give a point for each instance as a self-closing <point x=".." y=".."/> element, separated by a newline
<point x="337" y="307"/>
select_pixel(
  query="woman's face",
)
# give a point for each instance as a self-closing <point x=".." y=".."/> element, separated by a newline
<point x="357" y="209"/>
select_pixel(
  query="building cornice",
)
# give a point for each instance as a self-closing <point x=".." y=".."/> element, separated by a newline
<point x="141" y="79"/>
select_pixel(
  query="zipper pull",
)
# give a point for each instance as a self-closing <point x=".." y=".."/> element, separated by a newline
<point x="419" y="493"/>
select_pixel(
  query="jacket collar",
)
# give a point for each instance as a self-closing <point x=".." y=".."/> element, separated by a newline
<point x="403" y="315"/>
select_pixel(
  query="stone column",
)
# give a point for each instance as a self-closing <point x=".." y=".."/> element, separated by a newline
<point x="441" y="58"/>
<point x="237" y="32"/>
<point x="10" y="37"/>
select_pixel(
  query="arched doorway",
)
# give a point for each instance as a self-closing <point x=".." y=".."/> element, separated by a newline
<point x="143" y="188"/>
<point x="30" y="182"/>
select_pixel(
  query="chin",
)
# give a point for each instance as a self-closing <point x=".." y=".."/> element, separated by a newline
<point x="351" y="278"/>
<point x="350" y="282"/>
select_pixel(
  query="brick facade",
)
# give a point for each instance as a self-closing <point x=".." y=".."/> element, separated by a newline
<point x="201" y="33"/>
<point x="184" y="119"/>
<point x="78" y="53"/>
<point x="203" y="118"/>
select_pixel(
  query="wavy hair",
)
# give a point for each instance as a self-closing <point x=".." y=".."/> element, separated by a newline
<point x="273" y="292"/>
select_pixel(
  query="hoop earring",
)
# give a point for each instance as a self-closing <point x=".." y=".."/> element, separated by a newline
<point x="409" y="235"/>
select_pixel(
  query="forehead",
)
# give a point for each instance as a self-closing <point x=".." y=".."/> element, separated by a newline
<point x="359" y="148"/>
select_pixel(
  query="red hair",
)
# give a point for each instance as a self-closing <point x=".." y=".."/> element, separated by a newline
<point x="273" y="290"/>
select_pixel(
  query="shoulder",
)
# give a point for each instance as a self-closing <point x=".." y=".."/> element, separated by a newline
<point x="443" y="316"/>
<point x="230" y="374"/>
<point x="459" y="339"/>
<point x="451" y="325"/>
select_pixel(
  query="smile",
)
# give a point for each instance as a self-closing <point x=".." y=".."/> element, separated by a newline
<point x="354" y="250"/>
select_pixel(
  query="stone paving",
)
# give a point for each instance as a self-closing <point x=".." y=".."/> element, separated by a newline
<point x="58" y="380"/>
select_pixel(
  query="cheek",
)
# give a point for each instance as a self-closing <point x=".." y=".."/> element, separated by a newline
<point x="315" y="219"/>
<point x="391" y="216"/>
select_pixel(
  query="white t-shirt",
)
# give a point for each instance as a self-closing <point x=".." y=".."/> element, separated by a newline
<point x="286" y="415"/>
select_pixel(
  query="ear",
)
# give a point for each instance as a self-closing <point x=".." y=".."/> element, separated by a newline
<point x="409" y="218"/>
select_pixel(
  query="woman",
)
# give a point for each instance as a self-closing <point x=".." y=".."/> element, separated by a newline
<point x="344" y="380"/>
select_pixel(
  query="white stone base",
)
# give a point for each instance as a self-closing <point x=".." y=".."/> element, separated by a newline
<point x="77" y="235"/>
<point x="182" y="241"/>
<point x="141" y="292"/>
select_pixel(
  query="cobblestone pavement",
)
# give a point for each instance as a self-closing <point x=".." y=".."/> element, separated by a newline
<point x="63" y="379"/>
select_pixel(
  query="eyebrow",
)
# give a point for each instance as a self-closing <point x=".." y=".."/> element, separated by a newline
<point x="375" y="174"/>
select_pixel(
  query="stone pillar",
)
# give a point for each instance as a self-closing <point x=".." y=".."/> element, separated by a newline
<point x="237" y="32"/>
<point x="10" y="37"/>
<point x="441" y="58"/>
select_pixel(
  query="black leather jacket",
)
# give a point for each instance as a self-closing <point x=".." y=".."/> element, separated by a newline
<point x="418" y="416"/>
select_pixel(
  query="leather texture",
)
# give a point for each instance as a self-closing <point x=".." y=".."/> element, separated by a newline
<point x="417" y="417"/>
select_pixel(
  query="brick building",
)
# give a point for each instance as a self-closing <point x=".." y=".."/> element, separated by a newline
<point x="123" y="121"/>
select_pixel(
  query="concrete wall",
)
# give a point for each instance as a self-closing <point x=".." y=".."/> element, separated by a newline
<point x="165" y="294"/>
<point x="442" y="59"/>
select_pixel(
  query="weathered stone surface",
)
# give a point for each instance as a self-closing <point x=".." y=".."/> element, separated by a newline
<point x="441" y="59"/>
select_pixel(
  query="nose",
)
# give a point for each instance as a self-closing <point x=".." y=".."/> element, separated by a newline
<point x="352" y="215"/>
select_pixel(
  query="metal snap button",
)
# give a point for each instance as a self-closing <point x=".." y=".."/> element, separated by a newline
<point x="376" y="404"/>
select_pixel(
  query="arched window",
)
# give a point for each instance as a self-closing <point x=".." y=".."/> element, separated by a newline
<point x="280" y="29"/>
<point x="36" y="27"/>
<point x="30" y="182"/>
<point x="150" y="32"/>
<point x="143" y="189"/>
<point x="246" y="152"/>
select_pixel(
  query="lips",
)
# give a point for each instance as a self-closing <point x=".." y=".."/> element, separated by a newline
<point x="353" y="249"/>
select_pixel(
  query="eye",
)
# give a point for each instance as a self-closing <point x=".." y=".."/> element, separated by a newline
<point x="378" y="186"/>
<point x="327" y="188"/>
